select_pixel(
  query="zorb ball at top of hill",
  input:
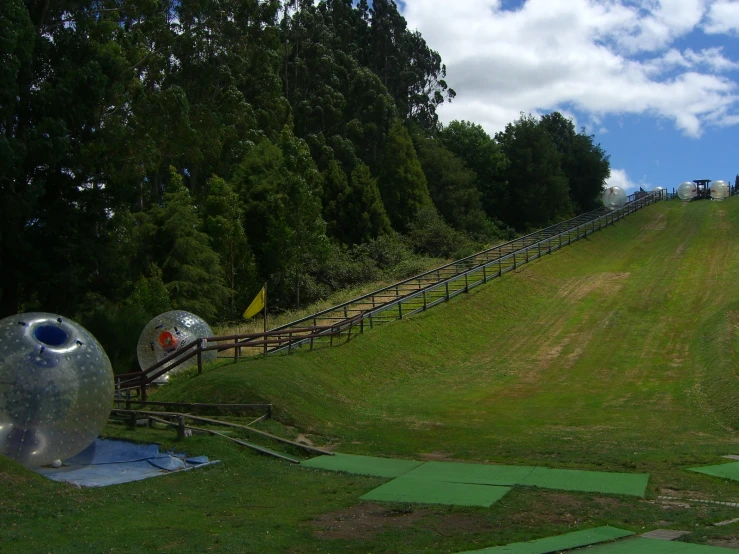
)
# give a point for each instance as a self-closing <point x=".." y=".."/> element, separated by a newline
<point x="56" y="388"/>
<point x="167" y="335"/>
<point x="687" y="190"/>
<point x="720" y="190"/>
<point x="614" y="198"/>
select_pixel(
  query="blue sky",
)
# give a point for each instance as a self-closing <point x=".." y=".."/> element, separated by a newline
<point x="655" y="81"/>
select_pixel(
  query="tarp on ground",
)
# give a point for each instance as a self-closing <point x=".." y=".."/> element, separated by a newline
<point x="429" y="491"/>
<point x="111" y="462"/>
<point x="641" y="545"/>
<point x="363" y="465"/>
<point x="558" y="543"/>
<point x="727" y="471"/>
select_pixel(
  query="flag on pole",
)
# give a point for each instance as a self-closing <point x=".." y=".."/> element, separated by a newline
<point x="256" y="306"/>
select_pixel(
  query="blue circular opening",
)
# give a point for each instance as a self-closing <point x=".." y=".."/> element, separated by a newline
<point x="51" y="335"/>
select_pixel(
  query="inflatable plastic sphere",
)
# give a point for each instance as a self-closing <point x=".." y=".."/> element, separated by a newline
<point x="687" y="190"/>
<point x="167" y="334"/>
<point x="720" y="190"/>
<point x="614" y="198"/>
<point x="56" y="388"/>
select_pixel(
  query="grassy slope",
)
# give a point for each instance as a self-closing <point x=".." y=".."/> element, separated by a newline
<point x="617" y="353"/>
<point x="619" y="339"/>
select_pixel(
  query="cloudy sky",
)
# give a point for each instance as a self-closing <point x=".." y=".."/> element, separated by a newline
<point x="656" y="81"/>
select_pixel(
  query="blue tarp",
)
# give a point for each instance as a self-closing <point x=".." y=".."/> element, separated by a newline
<point x="110" y="462"/>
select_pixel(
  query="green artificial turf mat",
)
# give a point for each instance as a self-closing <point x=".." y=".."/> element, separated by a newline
<point x="588" y="481"/>
<point x="641" y="545"/>
<point x="482" y="474"/>
<point x="430" y="491"/>
<point x="558" y="543"/>
<point x="727" y="471"/>
<point x="363" y="465"/>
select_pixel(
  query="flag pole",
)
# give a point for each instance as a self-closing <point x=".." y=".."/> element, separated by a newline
<point x="265" y="319"/>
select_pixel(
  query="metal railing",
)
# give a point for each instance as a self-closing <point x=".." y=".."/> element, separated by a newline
<point x="399" y="300"/>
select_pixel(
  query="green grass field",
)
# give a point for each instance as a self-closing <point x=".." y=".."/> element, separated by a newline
<point x="618" y="353"/>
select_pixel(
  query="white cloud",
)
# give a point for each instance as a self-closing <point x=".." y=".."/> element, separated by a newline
<point x="620" y="178"/>
<point x="598" y="57"/>
<point x="723" y="17"/>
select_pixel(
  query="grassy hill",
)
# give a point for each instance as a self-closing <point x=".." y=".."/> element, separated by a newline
<point x="625" y="338"/>
<point x="618" y="353"/>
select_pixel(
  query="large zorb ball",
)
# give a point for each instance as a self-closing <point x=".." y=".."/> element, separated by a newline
<point x="613" y="198"/>
<point x="720" y="190"/>
<point x="56" y="388"/>
<point x="167" y="334"/>
<point x="687" y="190"/>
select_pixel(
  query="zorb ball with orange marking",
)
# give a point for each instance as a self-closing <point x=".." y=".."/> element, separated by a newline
<point x="720" y="190"/>
<point x="687" y="190"/>
<point x="56" y="388"/>
<point x="613" y="198"/>
<point x="167" y="335"/>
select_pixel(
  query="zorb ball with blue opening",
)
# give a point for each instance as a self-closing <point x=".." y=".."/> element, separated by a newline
<point x="56" y="388"/>
<point x="614" y="198"/>
<point x="720" y="190"/>
<point x="687" y="190"/>
<point x="167" y="335"/>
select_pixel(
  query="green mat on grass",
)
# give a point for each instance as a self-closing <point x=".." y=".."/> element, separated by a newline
<point x="727" y="471"/>
<point x="363" y="465"/>
<point x="546" y="545"/>
<point x="641" y="545"/>
<point x="429" y="491"/>
<point x="587" y="481"/>
<point x="481" y="474"/>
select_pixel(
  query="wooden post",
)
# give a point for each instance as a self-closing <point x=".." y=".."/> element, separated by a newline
<point x="132" y="418"/>
<point x="236" y="350"/>
<point x="200" y="355"/>
<point x="180" y="427"/>
<point x="484" y="279"/>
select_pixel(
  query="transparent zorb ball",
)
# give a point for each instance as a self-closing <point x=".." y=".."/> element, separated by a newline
<point x="687" y="190"/>
<point x="614" y="197"/>
<point x="720" y="190"/>
<point x="165" y="337"/>
<point x="56" y="388"/>
<point x="659" y="192"/>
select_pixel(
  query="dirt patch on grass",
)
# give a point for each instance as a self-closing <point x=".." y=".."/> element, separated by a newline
<point x="364" y="521"/>
<point x="659" y="223"/>
<point x="436" y="457"/>
<point x="576" y="289"/>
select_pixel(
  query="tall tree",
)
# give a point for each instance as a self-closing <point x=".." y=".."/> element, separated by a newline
<point x="484" y="156"/>
<point x="451" y="185"/>
<point x="584" y="163"/>
<point x="171" y="236"/>
<point x="539" y="193"/>
<point x="223" y="222"/>
<point x="281" y="189"/>
<point x="401" y="180"/>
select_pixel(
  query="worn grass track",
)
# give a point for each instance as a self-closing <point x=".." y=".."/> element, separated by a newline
<point x="618" y="353"/>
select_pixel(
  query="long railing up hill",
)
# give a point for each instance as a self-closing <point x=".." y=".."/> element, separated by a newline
<point x="396" y="301"/>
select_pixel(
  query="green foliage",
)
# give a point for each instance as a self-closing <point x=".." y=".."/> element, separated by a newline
<point x="452" y="186"/>
<point x="223" y="223"/>
<point x="401" y="181"/>
<point x="281" y="190"/>
<point x="584" y="163"/>
<point x="171" y="236"/>
<point x="429" y="234"/>
<point x="225" y="142"/>
<point x="469" y="142"/>
<point x="538" y="189"/>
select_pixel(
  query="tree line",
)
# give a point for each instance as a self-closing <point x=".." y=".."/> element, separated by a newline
<point x="159" y="154"/>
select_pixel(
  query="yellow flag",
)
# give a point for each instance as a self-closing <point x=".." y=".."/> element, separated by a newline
<point x="256" y="306"/>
